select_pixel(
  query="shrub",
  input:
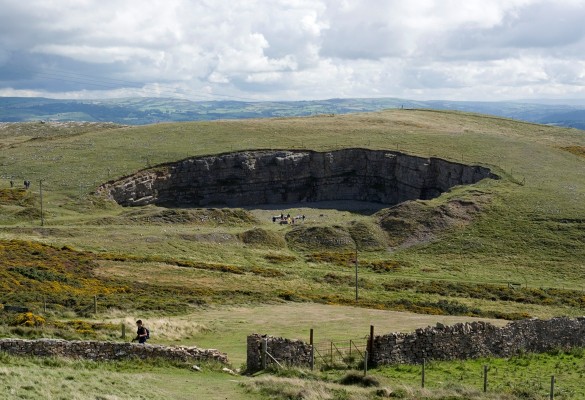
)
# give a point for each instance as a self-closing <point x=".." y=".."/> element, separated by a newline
<point x="356" y="378"/>
<point x="27" y="319"/>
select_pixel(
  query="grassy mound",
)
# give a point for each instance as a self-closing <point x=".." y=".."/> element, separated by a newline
<point x="20" y="197"/>
<point x="367" y="236"/>
<point x="319" y="237"/>
<point x="262" y="238"/>
<point x="415" y="222"/>
<point x="29" y="213"/>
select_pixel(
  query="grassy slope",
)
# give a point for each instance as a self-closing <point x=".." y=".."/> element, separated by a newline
<point x="530" y="233"/>
<point x="52" y="379"/>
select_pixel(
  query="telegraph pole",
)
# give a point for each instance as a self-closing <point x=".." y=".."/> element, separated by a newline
<point x="356" y="273"/>
<point x="41" y="195"/>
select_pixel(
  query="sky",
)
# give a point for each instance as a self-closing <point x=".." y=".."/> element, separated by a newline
<point x="293" y="49"/>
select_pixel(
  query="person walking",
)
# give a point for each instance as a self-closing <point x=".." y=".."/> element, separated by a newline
<point x="142" y="333"/>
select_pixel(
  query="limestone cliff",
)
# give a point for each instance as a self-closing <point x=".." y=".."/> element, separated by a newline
<point x="288" y="176"/>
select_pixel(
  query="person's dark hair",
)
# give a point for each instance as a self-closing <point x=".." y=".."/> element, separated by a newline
<point x="139" y="321"/>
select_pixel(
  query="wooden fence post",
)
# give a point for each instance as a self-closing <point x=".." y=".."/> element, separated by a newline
<point x="95" y="304"/>
<point x="371" y="344"/>
<point x="312" y="350"/>
<point x="485" y="378"/>
<point x="331" y="353"/>
<point x="552" y="387"/>
<point x="264" y="351"/>
<point x="123" y="331"/>
<point x="366" y="363"/>
<point x="45" y="304"/>
<point x="424" y="362"/>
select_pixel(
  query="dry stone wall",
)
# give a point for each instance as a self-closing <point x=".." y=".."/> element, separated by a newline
<point x="104" y="351"/>
<point x="479" y="339"/>
<point x="287" y="351"/>
<point x="286" y="176"/>
<point x="456" y="342"/>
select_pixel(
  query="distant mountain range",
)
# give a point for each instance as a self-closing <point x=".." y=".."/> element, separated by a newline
<point x="140" y="111"/>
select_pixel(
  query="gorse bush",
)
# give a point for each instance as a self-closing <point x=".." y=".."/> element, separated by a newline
<point x="27" y="319"/>
<point x="65" y="278"/>
<point x="40" y="274"/>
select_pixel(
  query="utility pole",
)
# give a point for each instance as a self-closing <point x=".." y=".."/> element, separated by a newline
<point x="41" y="195"/>
<point x="356" y="273"/>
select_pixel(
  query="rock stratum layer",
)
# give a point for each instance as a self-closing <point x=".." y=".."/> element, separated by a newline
<point x="286" y="176"/>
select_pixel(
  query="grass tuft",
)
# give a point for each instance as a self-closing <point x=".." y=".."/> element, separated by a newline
<point x="359" y="379"/>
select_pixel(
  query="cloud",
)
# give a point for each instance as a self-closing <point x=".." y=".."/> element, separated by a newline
<point x="292" y="49"/>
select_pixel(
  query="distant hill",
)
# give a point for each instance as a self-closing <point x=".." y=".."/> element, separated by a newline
<point x="141" y="111"/>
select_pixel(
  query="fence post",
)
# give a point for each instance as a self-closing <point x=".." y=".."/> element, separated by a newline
<point x="45" y="304"/>
<point x="424" y="362"/>
<point x="485" y="378"/>
<point x="371" y="344"/>
<point x="366" y="363"/>
<point x="95" y="304"/>
<point x="312" y="350"/>
<point x="123" y="331"/>
<point x="552" y="387"/>
<point x="264" y="350"/>
<point x="331" y="353"/>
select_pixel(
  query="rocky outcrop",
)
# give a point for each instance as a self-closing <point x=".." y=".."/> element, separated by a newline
<point x="285" y="176"/>
<point x="102" y="351"/>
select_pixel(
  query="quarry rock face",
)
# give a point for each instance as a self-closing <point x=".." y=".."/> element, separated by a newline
<point x="287" y="176"/>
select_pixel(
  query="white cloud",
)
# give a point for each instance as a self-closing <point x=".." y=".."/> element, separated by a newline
<point x="293" y="49"/>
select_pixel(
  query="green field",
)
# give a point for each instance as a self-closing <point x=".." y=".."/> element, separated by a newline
<point x="211" y="266"/>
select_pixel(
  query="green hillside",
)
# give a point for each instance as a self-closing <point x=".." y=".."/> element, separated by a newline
<point x="530" y="229"/>
<point x="144" y="110"/>
<point x="500" y="249"/>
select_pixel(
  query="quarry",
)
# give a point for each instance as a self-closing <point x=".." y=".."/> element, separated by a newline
<point x="248" y="178"/>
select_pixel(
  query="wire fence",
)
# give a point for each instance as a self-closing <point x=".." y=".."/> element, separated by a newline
<point x="68" y="302"/>
<point x="347" y="352"/>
